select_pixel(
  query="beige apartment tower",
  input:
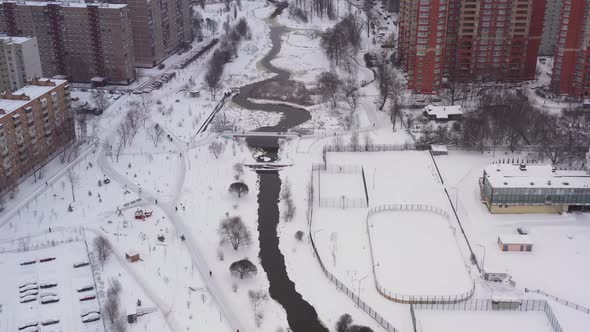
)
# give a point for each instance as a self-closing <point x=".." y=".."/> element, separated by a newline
<point x="159" y="28"/>
<point x="36" y="122"/>
<point x="83" y="41"/>
<point x="19" y="62"/>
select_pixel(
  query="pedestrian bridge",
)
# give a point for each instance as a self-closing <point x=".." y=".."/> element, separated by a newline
<point x="246" y="134"/>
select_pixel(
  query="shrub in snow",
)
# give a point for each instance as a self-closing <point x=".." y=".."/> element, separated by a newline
<point x="343" y="323"/>
<point x="243" y="268"/>
<point x="216" y="149"/>
<point x="238" y="188"/>
<point x="299" y="235"/>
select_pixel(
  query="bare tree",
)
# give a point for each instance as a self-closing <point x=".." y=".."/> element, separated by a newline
<point x="338" y="144"/>
<point x="216" y="149"/>
<point x="232" y="230"/>
<point x="257" y="297"/>
<point x="351" y="93"/>
<point x="119" y="145"/>
<point x="390" y="85"/>
<point x="115" y="287"/>
<point x="107" y="148"/>
<point x="82" y="122"/>
<point x="355" y="141"/>
<point x="112" y="307"/>
<point x="243" y="268"/>
<point x="368" y="142"/>
<point x="74" y="180"/>
<point x="289" y="210"/>
<point x="120" y="325"/>
<point x="238" y="188"/>
<point x="100" y="100"/>
<point x="213" y="75"/>
<point x="102" y="249"/>
<point x="239" y="169"/>
<point x="155" y="132"/>
<point x="328" y="86"/>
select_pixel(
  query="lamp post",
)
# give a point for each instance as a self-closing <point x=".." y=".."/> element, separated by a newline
<point x="359" y="296"/>
<point x="483" y="260"/>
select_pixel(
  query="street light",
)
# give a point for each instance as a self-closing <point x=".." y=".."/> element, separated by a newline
<point x="483" y="260"/>
<point x="359" y="297"/>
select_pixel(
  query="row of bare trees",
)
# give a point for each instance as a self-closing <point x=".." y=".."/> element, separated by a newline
<point x="342" y="42"/>
<point x="138" y="114"/>
<point x="227" y="50"/>
<point x="306" y="10"/>
<point x="507" y="118"/>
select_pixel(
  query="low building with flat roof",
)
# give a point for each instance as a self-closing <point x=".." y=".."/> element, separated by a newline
<point x="443" y="113"/>
<point x="515" y="242"/>
<point x="537" y="188"/>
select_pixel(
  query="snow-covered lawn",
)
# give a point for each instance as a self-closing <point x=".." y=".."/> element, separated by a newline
<point x="335" y="186"/>
<point x="416" y="254"/>
<point x="39" y="283"/>
<point x="467" y="321"/>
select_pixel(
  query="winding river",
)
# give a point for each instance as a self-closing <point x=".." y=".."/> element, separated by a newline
<point x="301" y="316"/>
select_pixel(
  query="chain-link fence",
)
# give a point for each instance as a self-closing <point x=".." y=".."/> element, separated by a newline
<point x="343" y="203"/>
<point x="373" y="147"/>
<point x="496" y="305"/>
<point x="360" y="303"/>
<point x="337" y="169"/>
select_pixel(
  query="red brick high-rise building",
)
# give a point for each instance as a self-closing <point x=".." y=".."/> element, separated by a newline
<point x="571" y="69"/>
<point x="469" y="40"/>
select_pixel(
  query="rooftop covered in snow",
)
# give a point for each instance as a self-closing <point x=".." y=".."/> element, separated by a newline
<point x="13" y="40"/>
<point x="514" y="239"/>
<point x="534" y="176"/>
<point x="67" y="3"/>
<point x="26" y="94"/>
<point x="443" y="112"/>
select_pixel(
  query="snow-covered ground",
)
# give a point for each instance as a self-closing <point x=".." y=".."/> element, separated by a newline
<point x="415" y="254"/>
<point x="466" y="321"/>
<point x="186" y="188"/>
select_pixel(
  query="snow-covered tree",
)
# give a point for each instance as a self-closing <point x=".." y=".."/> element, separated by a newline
<point x="243" y="268"/>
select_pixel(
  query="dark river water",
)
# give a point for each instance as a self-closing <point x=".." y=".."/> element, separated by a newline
<point x="301" y="316"/>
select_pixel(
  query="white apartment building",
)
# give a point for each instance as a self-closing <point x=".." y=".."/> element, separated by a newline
<point x="19" y="62"/>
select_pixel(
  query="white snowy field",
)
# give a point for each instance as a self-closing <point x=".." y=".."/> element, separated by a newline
<point x="467" y="321"/>
<point x="337" y="185"/>
<point x="303" y="48"/>
<point x="54" y="280"/>
<point x="415" y="254"/>
<point x="561" y="243"/>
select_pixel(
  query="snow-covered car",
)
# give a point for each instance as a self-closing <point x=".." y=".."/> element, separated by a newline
<point x="28" y="298"/>
<point x="85" y="287"/>
<point x="90" y="317"/>
<point x="27" y="287"/>
<point x="81" y="264"/>
<point x="32" y="291"/>
<point x="49" y="299"/>
<point x="28" y="326"/>
<point x="49" y="321"/>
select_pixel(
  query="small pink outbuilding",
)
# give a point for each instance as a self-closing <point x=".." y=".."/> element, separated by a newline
<point x="515" y="242"/>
